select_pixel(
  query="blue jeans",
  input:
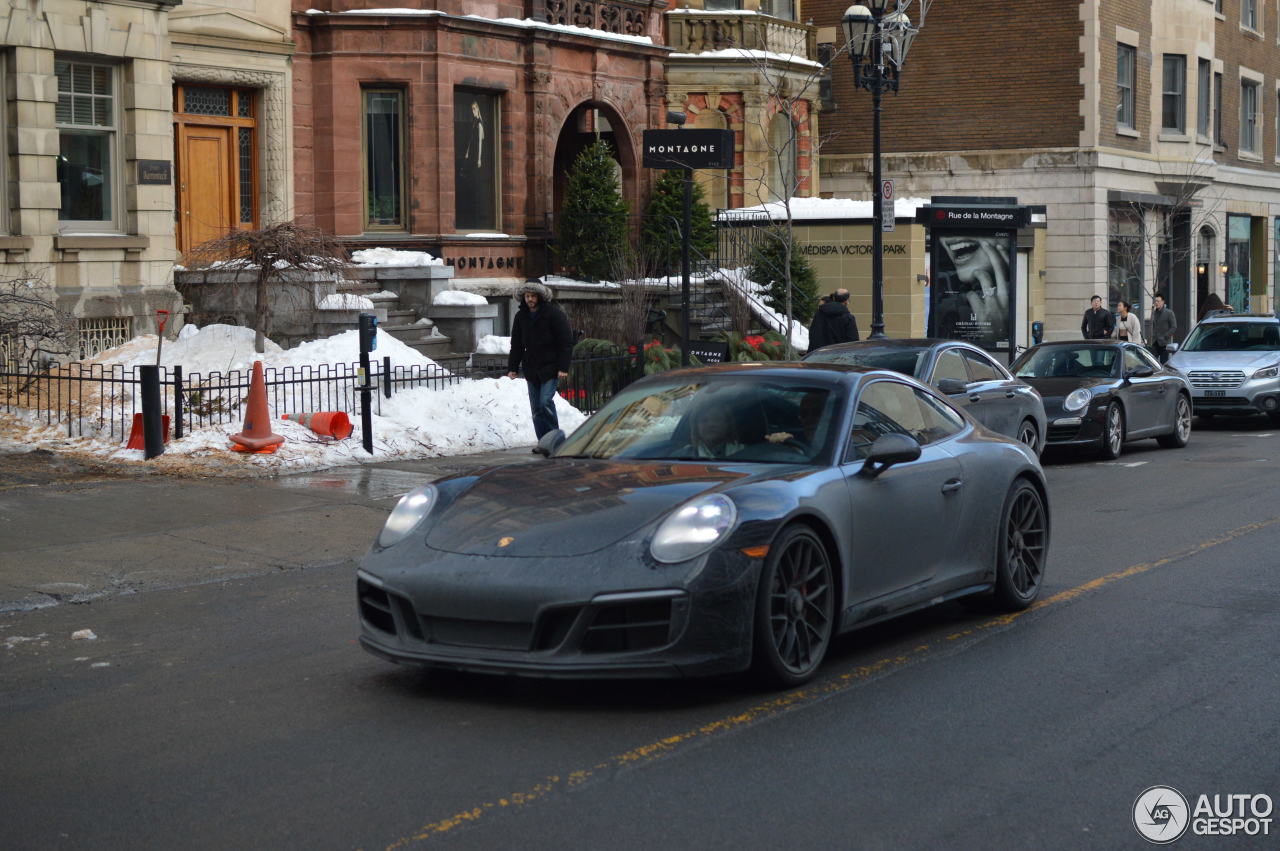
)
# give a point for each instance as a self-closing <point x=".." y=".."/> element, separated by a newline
<point x="542" y="396"/>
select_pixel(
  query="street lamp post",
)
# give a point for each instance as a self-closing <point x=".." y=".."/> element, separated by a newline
<point x="878" y="40"/>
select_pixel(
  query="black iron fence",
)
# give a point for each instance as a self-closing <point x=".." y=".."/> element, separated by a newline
<point x="101" y="400"/>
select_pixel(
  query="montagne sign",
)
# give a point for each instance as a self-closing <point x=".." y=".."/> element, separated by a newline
<point x="688" y="148"/>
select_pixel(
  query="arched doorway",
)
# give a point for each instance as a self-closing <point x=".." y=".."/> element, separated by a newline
<point x="584" y="124"/>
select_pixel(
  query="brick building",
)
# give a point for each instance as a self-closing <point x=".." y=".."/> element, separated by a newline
<point x="451" y="128"/>
<point x="1145" y="128"/>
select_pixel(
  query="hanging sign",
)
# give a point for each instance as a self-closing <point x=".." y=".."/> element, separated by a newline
<point x="688" y="148"/>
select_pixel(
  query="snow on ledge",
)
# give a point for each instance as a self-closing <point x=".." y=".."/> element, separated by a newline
<point x="344" y="301"/>
<point x="826" y="208"/>
<point x="458" y="297"/>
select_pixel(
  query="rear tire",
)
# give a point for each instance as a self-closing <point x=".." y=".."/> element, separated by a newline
<point x="1112" y="441"/>
<point x="1181" y="433"/>
<point x="794" y="613"/>
<point x="1029" y="434"/>
<point x="1022" y="547"/>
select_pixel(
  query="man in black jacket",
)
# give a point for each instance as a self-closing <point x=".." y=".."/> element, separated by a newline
<point x="833" y="323"/>
<point x="1097" y="323"/>
<point x="541" y="345"/>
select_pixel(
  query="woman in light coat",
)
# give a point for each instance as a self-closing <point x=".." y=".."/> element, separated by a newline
<point x="1127" y="325"/>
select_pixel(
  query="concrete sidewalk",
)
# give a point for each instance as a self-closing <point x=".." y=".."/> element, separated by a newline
<point x="73" y="531"/>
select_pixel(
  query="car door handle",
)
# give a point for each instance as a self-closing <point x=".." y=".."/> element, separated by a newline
<point x="1009" y="394"/>
<point x="952" y="485"/>
<point x="976" y="397"/>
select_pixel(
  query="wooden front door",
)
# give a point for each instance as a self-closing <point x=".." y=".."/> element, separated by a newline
<point x="215" y="132"/>
<point x="204" y="186"/>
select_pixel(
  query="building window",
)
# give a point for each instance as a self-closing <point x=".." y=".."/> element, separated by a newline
<point x="1126" y="58"/>
<point x="785" y="9"/>
<point x="1249" y="117"/>
<point x="1124" y="255"/>
<point x="1204" y="112"/>
<point x="384" y="170"/>
<point x="477" y="177"/>
<point x="782" y="157"/>
<point x="1173" y="115"/>
<point x="86" y="120"/>
<point x="1239" y="252"/>
<point x="722" y="5"/>
<point x="826" y="56"/>
<point x="1217" y="111"/>
<point x="1249" y="14"/>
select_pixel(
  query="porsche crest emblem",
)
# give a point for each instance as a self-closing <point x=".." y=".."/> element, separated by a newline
<point x="502" y="542"/>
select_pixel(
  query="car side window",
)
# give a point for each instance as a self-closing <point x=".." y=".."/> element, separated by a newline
<point x="884" y="407"/>
<point x="982" y="369"/>
<point x="949" y="365"/>
<point x="1149" y="359"/>
<point x="940" y="421"/>
<point x="1132" y="360"/>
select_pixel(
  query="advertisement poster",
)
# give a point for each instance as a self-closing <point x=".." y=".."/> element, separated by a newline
<point x="972" y="287"/>
<point x="475" y="161"/>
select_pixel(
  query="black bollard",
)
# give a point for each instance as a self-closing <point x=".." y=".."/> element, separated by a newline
<point x="152" y="416"/>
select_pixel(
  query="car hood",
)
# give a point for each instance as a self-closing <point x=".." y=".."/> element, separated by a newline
<point x="570" y="507"/>
<point x="1247" y="361"/>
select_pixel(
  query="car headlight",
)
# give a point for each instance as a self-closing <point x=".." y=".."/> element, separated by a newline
<point x="408" y="513"/>
<point x="1077" y="400"/>
<point x="1268" y="371"/>
<point x="693" y="528"/>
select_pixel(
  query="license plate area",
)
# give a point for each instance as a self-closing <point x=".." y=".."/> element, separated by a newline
<point x="1212" y="394"/>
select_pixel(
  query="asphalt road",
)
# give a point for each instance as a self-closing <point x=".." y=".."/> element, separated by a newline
<point x="242" y="714"/>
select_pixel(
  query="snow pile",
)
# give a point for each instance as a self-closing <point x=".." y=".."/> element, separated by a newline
<point x="367" y="257"/>
<point x="458" y="418"/>
<point x="493" y="345"/>
<point x="458" y="297"/>
<point x="754" y="293"/>
<point x="811" y="209"/>
<point x="344" y="301"/>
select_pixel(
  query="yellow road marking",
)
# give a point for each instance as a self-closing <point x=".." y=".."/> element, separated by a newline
<point x="793" y="699"/>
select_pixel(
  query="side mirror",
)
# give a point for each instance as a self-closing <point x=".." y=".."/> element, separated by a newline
<point x="1140" y="372"/>
<point x="1171" y="347"/>
<point x="889" y="449"/>
<point x="951" y="386"/>
<point x="549" y="443"/>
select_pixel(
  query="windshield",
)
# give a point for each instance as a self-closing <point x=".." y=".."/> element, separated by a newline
<point x="1234" y="337"/>
<point x="896" y="358"/>
<point x="734" y="420"/>
<point x="1068" y="362"/>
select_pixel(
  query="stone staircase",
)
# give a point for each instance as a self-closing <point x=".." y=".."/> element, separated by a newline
<point x="405" y="324"/>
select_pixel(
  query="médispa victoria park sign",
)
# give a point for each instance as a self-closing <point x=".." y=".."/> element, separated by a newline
<point x="688" y="148"/>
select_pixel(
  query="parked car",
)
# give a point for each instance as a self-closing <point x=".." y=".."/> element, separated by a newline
<point x="709" y="520"/>
<point x="1232" y="362"/>
<point x="1104" y="393"/>
<point x="970" y="379"/>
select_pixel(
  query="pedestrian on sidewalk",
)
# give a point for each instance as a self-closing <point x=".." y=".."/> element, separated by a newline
<point x="1127" y="325"/>
<point x="541" y="346"/>
<point x="1164" y="324"/>
<point x="833" y="323"/>
<point x="1097" y="323"/>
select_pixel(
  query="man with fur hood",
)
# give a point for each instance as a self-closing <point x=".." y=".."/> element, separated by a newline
<point x="541" y="345"/>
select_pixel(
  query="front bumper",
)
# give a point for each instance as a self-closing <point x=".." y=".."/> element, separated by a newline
<point x="1251" y="397"/>
<point x="529" y="616"/>
<point x="1075" y="430"/>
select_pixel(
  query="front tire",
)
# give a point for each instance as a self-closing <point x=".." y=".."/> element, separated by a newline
<point x="1022" y="547"/>
<point x="1112" y="442"/>
<point x="794" y="613"/>
<point x="1181" y="433"/>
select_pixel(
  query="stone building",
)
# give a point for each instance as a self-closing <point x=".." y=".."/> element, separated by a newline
<point x="750" y="66"/>
<point x="94" y="94"/>
<point x="1146" y="130"/>
<point x="450" y="128"/>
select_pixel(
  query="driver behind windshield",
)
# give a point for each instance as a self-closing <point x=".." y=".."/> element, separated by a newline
<point x="712" y="432"/>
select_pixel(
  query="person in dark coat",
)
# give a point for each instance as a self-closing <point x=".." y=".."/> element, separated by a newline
<point x="833" y="323"/>
<point x="1097" y="323"/>
<point x="541" y="346"/>
<point x="1164" y="324"/>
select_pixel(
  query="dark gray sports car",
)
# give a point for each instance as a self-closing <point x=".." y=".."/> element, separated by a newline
<point x="709" y="520"/>
<point x="969" y="377"/>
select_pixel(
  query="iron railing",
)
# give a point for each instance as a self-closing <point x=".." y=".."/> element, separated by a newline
<point x="101" y="400"/>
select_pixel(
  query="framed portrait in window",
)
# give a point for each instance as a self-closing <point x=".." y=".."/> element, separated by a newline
<point x="477" y="176"/>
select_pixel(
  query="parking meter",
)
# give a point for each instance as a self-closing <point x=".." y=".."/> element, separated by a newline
<point x="1037" y="333"/>
<point x="368" y="333"/>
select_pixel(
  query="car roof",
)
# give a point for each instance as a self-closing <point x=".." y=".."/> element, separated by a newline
<point x="1236" y="317"/>
<point x="1051" y="344"/>
<point x="907" y="343"/>
<point x="828" y="373"/>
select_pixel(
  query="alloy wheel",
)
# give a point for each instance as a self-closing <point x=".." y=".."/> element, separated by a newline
<point x="800" y="598"/>
<point x="1029" y="435"/>
<point x="1183" y="424"/>
<point x="1025" y="542"/>
<point x="1115" y="431"/>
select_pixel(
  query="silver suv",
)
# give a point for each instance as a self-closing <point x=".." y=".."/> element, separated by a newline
<point x="1232" y="362"/>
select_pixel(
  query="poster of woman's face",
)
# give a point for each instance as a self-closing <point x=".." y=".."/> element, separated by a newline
<point x="971" y="287"/>
<point x="475" y="164"/>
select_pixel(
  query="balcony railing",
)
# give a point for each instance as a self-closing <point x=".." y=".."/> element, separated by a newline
<point x="623" y="17"/>
<point x="703" y="32"/>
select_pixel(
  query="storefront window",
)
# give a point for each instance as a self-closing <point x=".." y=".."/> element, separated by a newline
<point x="1238" y="283"/>
<point x="384" y="158"/>
<point x="476" y="172"/>
<point x="1124" y="257"/>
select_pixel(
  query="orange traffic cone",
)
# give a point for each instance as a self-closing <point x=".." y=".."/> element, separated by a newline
<point x="325" y="423"/>
<point x="257" y="435"/>
<point x="135" y="433"/>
